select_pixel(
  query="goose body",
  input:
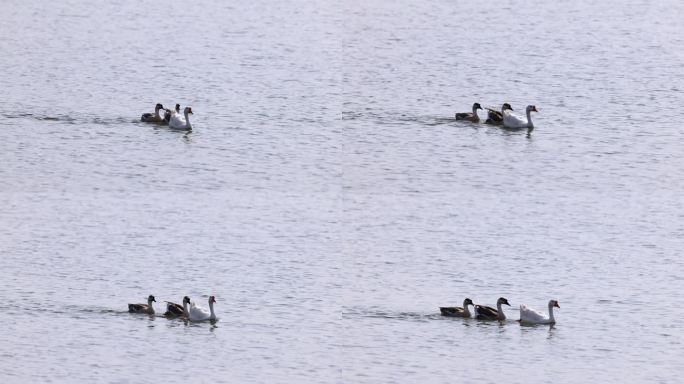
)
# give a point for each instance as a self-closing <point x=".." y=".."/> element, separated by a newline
<point x="495" y="117"/>
<point x="143" y="308"/>
<point x="178" y="122"/>
<point x="197" y="314"/>
<point x="470" y="116"/>
<point x="512" y="121"/>
<point x="177" y="310"/>
<point x="530" y="316"/>
<point x="457" y="311"/>
<point x="153" y="117"/>
<point x="484" y="312"/>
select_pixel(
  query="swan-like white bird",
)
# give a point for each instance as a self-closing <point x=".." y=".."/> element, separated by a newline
<point x="196" y="313"/>
<point x="457" y="311"/>
<point x="530" y="316"/>
<point x="495" y="117"/>
<point x="178" y="122"/>
<point x="153" y="117"/>
<point x="143" y="308"/>
<point x="488" y="313"/>
<point x="470" y="116"/>
<point x="512" y="121"/>
<point x="176" y="310"/>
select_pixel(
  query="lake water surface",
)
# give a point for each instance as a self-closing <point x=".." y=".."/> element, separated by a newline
<point x="328" y="199"/>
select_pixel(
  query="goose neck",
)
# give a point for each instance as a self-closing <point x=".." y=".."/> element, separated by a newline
<point x="500" y="311"/>
<point x="529" y="118"/>
<point x="211" y="309"/>
<point x="553" y="320"/>
<point x="187" y="120"/>
<point x="465" y="309"/>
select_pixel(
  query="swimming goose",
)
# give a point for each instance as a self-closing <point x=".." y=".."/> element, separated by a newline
<point x="168" y="113"/>
<point x="511" y="121"/>
<point x="153" y="117"/>
<point x="470" y="116"/>
<point x="196" y="313"/>
<point x="530" y="316"/>
<point x="178" y="122"/>
<point x="177" y="310"/>
<point x="495" y="117"/>
<point x="488" y="313"/>
<point x="457" y="311"/>
<point x="143" y="308"/>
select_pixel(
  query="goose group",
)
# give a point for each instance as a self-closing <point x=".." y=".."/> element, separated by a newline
<point x="173" y="118"/>
<point x="187" y="311"/>
<point x="504" y="117"/>
<point x="483" y="312"/>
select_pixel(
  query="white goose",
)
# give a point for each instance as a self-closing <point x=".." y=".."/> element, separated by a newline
<point x="178" y="122"/>
<point x="530" y="316"/>
<point x="197" y="314"/>
<point x="512" y="121"/>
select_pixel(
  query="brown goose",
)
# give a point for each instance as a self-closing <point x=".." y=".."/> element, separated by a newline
<point x="177" y="310"/>
<point x="153" y="117"/>
<point x="484" y="312"/>
<point x="470" y="116"/>
<point x="143" y="308"/>
<point x="495" y="117"/>
<point x="457" y="311"/>
<point x="168" y="113"/>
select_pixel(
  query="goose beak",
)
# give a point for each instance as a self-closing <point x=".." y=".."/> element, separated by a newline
<point x="556" y="305"/>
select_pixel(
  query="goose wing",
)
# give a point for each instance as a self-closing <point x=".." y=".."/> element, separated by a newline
<point x="494" y="112"/>
<point x="451" y="311"/>
<point x="137" y="307"/>
<point x="198" y="313"/>
<point x="173" y="309"/>
<point x="485" y="311"/>
<point x="529" y="315"/>
<point x="512" y="121"/>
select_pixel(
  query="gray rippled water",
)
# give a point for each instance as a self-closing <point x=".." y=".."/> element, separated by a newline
<point x="327" y="198"/>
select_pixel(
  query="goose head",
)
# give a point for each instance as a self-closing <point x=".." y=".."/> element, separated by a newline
<point x="188" y="110"/>
<point x="177" y="107"/>
<point x="554" y="303"/>
<point x="532" y="108"/>
<point x="477" y="106"/>
<point x="506" y="106"/>
<point x="502" y="301"/>
<point x="158" y="107"/>
<point x="212" y="299"/>
<point x="150" y="298"/>
<point x="467" y="302"/>
<point x="186" y="299"/>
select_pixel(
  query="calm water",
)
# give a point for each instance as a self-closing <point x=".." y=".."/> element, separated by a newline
<point x="327" y="198"/>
